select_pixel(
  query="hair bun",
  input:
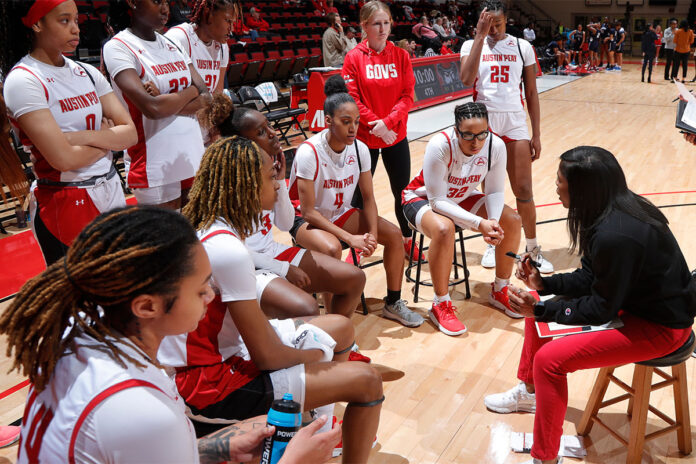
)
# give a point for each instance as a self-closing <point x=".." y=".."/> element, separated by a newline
<point x="335" y="84"/>
<point x="216" y="112"/>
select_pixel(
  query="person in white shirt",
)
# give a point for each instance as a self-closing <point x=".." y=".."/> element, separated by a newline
<point x="529" y="34"/>
<point x="237" y="361"/>
<point x="497" y="64"/>
<point x="444" y="196"/>
<point x="87" y="331"/>
<point x="286" y="276"/>
<point x="67" y="116"/>
<point x="163" y="91"/>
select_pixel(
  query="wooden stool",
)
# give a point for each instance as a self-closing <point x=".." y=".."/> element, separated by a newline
<point x="416" y="234"/>
<point x="638" y="396"/>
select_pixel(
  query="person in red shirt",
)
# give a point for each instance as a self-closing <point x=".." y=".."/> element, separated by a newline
<point x="446" y="50"/>
<point x="330" y="8"/>
<point x="379" y="77"/>
<point x="256" y="22"/>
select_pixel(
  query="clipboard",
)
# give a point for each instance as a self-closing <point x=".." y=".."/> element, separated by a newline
<point x="686" y="99"/>
<point x="553" y="329"/>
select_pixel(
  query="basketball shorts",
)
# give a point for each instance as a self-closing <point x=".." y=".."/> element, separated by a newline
<point x="594" y="46"/>
<point x="510" y="126"/>
<point x="619" y="48"/>
<point x="163" y="193"/>
<point x="415" y="210"/>
<point x="290" y="254"/>
<point x="58" y="214"/>
<point x="612" y="46"/>
<point x="339" y="221"/>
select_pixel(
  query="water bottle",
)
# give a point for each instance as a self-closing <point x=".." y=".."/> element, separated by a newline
<point x="285" y="416"/>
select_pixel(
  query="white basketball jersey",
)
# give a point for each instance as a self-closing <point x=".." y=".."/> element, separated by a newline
<point x="261" y="240"/>
<point x="499" y="78"/>
<point x="168" y="149"/>
<point x="72" y="99"/>
<point x="335" y="175"/>
<point x="208" y="59"/>
<point x="465" y="173"/>
<point x="82" y="380"/>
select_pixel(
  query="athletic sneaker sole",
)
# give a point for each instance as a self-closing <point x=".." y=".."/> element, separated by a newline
<point x="442" y="329"/>
<point x="510" y="411"/>
<point x="498" y="305"/>
<point x="386" y="314"/>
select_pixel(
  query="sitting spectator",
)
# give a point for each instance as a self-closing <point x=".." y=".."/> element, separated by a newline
<point x="330" y="8"/>
<point x="334" y="43"/>
<point x="241" y="31"/>
<point x="427" y="36"/>
<point x="409" y="46"/>
<point x="255" y="22"/>
<point x="408" y="13"/>
<point x="439" y="29"/>
<point x="446" y="50"/>
<point x="352" y="41"/>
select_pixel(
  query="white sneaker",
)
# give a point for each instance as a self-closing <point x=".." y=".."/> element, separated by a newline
<point x="517" y="399"/>
<point x="559" y="460"/>
<point x="488" y="259"/>
<point x="546" y="266"/>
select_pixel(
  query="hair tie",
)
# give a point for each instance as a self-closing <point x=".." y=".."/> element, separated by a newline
<point x="38" y="10"/>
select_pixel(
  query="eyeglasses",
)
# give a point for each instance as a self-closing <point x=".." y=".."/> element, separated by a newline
<point x="468" y="136"/>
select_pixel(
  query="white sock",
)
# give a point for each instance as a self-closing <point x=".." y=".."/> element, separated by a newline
<point x="439" y="299"/>
<point x="328" y="411"/>
<point x="531" y="244"/>
<point x="500" y="284"/>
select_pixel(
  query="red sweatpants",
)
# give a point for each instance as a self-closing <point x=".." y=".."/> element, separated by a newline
<point x="546" y="361"/>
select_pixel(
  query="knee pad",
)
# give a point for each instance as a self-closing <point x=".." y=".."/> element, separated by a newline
<point x="369" y="404"/>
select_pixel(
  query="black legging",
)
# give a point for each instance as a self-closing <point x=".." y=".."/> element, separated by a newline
<point x="397" y="163"/>
<point x="683" y="59"/>
<point x="647" y="61"/>
<point x="669" y="57"/>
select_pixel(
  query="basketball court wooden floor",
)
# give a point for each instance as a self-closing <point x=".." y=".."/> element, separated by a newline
<point x="435" y="384"/>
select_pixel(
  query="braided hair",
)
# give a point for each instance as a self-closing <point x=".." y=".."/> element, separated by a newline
<point x="228" y="187"/>
<point x="494" y="6"/>
<point x="470" y="110"/>
<point x="121" y="254"/>
<point x="202" y="8"/>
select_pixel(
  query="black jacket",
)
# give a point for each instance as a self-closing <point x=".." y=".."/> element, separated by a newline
<point x="633" y="267"/>
<point x="647" y="45"/>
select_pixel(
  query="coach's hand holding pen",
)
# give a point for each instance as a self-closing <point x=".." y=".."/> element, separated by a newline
<point x="528" y="273"/>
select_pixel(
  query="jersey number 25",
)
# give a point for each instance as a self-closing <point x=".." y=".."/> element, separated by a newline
<point x="500" y="74"/>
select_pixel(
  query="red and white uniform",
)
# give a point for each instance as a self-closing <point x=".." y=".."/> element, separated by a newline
<point x="449" y="180"/>
<point x="208" y="59"/>
<point x="382" y="86"/>
<point x="168" y="150"/>
<point x="498" y="84"/>
<point x="335" y="175"/>
<point x="267" y="254"/>
<point x="74" y="102"/>
<point x="93" y="410"/>
<point x="214" y="356"/>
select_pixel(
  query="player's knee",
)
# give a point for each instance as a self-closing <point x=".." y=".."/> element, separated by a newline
<point x="443" y="231"/>
<point x="356" y="279"/>
<point x="370" y="382"/>
<point x="301" y="304"/>
<point x="340" y="328"/>
<point x="523" y="191"/>
<point x="390" y="234"/>
<point x="333" y="248"/>
<point x="510" y="220"/>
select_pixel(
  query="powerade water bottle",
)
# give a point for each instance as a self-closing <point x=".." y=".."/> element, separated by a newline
<point x="285" y="416"/>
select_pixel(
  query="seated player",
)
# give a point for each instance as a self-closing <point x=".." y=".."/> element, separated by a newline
<point x="555" y="48"/>
<point x="237" y="362"/>
<point x="325" y="173"/>
<point x="286" y="276"/>
<point x="444" y="195"/>
<point x="86" y="332"/>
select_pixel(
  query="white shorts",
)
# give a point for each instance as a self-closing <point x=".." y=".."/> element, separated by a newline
<point x="291" y="379"/>
<point x="415" y="210"/>
<point x="157" y="195"/>
<point x="280" y="252"/>
<point x="509" y="126"/>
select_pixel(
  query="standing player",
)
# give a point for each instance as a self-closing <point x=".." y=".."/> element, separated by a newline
<point x="619" y="39"/>
<point x="577" y="39"/>
<point x="444" y="195"/>
<point x="163" y="91"/>
<point x="610" y="41"/>
<point x="67" y="114"/>
<point x="593" y="46"/>
<point x="497" y="64"/>
<point x="325" y="173"/>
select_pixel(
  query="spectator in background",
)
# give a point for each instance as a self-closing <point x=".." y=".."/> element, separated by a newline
<point x="439" y="29"/>
<point x="256" y="23"/>
<point x="408" y="12"/>
<point x="512" y="28"/>
<point x="446" y="50"/>
<point x="658" y="42"/>
<point x="648" y="49"/>
<point x="334" y="43"/>
<point x="427" y="36"/>
<point x="330" y="8"/>
<point x="352" y="41"/>
<point x="668" y="40"/>
<point x="683" y="38"/>
<point x="409" y="46"/>
<point x="240" y="30"/>
<point x="528" y="34"/>
<point x="178" y="12"/>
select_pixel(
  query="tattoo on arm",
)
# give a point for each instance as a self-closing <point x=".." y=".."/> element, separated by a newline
<point x="215" y="447"/>
<point x="303" y="320"/>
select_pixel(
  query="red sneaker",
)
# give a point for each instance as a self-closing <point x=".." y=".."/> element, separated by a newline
<point x="444" y="318"/>
<point x="416" y="251"/>
<point x="355" y="356"/>
<point x="9" y="434"/>
<point x="349" y="258"/>
<point x="501" y="301"/>
<point x="338" y="450"/>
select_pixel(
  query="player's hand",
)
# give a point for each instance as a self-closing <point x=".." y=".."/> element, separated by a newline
<point x="521" y="301"/>
<point x="247" y="446"/>
<point x="309" y="446"/>
<point x="151" y="88"/>
<point x="106" y="123"/>
<point x="484" y="23"/>
<point x="528" y="273"/>
<point x="535" y="146"/>
<point x="279" y="164"/>
<point x="379" y="128"/>
<point x="298" y="277"/>
<point x="691" y="138"/>
<point x="492" y="232"/>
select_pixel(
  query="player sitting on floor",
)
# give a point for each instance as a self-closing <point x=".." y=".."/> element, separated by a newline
<point x="283" y="272"/>
<point x="444" y="195"/>
<point x="237" y="362"/>
<point x="325" y="173"/>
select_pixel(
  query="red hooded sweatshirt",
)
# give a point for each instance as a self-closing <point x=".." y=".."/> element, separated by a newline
<point x="382" y="86"/>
